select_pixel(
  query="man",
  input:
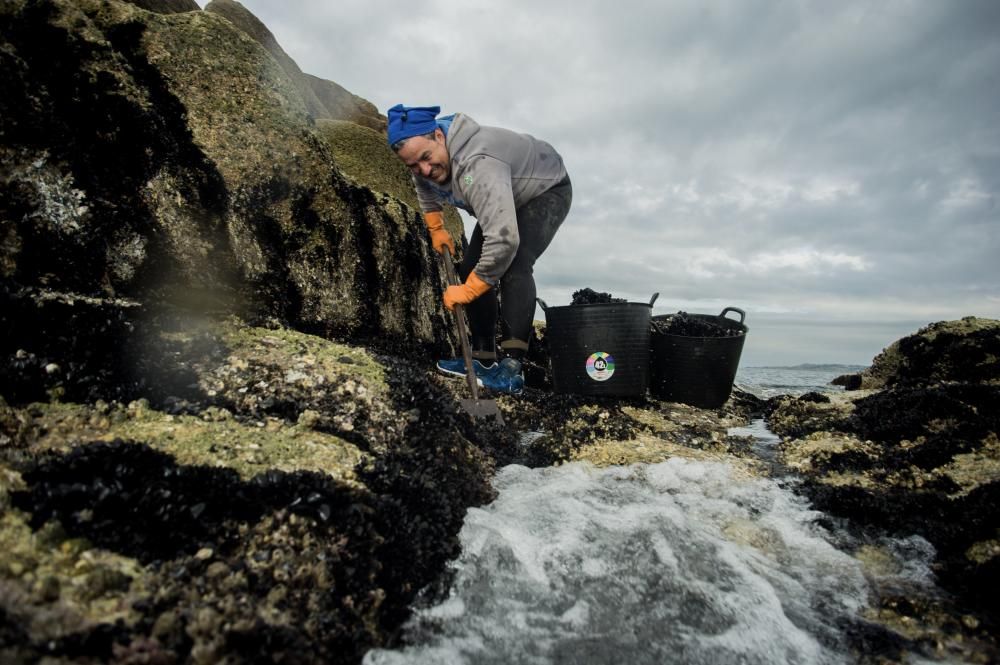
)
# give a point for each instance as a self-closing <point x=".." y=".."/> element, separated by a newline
<point x="517" y="189"/>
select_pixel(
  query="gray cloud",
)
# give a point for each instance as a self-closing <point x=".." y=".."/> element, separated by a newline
<point x="827" y="162"/>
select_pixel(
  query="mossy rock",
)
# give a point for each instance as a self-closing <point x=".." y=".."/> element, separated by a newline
<point x="154" y="153"/>
<point x="277" y="490"/>
<point x="966" y="350"/>
<point x="323" y="99"/>
<point x="363" y="155"/>
<point x="214" y="438"/>
<point x="167" y="6"/>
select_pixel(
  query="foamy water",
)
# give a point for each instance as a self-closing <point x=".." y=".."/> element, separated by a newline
<point x="678" y="562"/>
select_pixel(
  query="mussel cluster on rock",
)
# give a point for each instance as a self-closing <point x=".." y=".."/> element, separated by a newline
<point x="247" y="524"/>
<point x="919" y="454"/>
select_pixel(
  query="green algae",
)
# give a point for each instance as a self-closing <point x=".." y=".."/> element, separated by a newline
<point x="242" y="106"/>
<point x="268" y="361"/>
<point x="324" y="99"/>
<point x="285" y="347"/>
<point x="984" y="551"/>
<point x="246" y="449"/>
<point x="970" y="471"/>
<point x="228" y="185"/>
<point x="962" y="327"/>
<point x="57" y="585"/>
<point x="811" y="454"/>
<point x="341" y="239"/>
<point x="277" y="362"/>
<point x="211" y="439"/>
<point x="363" y="155"/>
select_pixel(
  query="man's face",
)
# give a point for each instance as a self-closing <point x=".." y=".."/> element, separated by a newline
<point x="427" y="157"/>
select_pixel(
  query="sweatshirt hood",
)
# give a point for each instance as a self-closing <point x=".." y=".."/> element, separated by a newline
<point x="462" y="129"/>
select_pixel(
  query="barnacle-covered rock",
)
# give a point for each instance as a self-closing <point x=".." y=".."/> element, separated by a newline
<point x="169" y="155"/>
<point x="918" y="456"/>
<point x="966" y="350"/>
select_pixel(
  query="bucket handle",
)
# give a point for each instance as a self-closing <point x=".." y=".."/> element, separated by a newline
<point x="743" y="315"/>
<point x="651" y="301"/>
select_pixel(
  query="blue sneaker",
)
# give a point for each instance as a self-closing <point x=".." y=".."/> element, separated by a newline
<point x="456" y="367"/>
<point x="505" y="377"/>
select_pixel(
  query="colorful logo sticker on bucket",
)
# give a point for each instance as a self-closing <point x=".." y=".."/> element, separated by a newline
<point x="600" y="366"/>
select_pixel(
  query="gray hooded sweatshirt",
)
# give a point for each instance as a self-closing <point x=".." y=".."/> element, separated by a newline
<point x="494" y="171"/>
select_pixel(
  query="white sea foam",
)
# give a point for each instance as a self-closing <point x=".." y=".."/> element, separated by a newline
<point x="678" y="562"/>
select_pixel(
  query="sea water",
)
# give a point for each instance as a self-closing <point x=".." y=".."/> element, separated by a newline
<point x="770" y="381"/>
<point x="766" y="382"/>
<point x="677" y="562"/>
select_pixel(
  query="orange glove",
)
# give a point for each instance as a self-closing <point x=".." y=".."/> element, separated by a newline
<point x="439" y="237"/>
<point x="463" y="294"/>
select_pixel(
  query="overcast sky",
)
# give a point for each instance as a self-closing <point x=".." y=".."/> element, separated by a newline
<point x="831" y="168"/>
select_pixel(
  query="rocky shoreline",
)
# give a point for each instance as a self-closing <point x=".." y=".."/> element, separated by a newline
<point x="220" y="440"/>
<point x="253" y="490"/>
<point x="292" y="499"/>
<point x="259" y="490"/>
<point x="914" y="451"/>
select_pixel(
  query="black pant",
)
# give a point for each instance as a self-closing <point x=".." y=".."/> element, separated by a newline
<point x="537" y="222"/>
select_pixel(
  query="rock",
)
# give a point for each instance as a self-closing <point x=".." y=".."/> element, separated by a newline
<point x="167" y="6"/>
<point x="364" y="155"/>
<point x="323" y="99"/>
<point x="919" y="456"/>
<point x="216" y="569"/>
<point x="186" y="168"/>
<point x="309" y="418"/>
<point x="191" y="501"/>
<point x="848" y="381"/>
<point x="340" y="104"/>
<point x="793" y="417"/>
<point x="967" y="350"/>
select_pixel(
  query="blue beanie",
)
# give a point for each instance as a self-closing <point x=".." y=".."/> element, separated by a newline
<point x="407" y="121"/>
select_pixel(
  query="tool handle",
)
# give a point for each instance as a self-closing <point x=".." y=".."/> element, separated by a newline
<point x="463" y="336"/>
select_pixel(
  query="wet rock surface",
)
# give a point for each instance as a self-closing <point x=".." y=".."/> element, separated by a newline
<point x="918" y="456"/>
<point x="243" y="529"/>
<point x="130" y="168"/>
<point x="272" y="492"/>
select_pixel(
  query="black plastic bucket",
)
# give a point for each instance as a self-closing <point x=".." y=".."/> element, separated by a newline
<point x="697" y="370"/>
<point x="599" y="349"/>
